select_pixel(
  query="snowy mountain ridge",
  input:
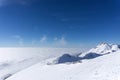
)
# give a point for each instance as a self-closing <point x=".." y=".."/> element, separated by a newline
<point x="103" y="48"/>
<point x="55" y="61"/>
<point x="99" y="50"/>
<point x="105" y="67"/>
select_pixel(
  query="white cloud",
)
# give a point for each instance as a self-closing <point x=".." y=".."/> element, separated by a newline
<point x="60" y="42"/>
<point x="43" y="39"/>
<point x="20" y="40"/>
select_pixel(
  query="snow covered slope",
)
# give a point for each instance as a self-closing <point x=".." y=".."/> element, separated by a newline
<point x="17" y="54"/>
<point x="106" y="67"/>
<point x="102" y="49"/>
<point x="13" y="60"/>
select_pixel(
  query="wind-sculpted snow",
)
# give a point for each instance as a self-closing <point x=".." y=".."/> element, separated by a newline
<point x="102" y="49"/>
<point x="99" y="63"/>
<point x="91" y="55"/>
<point x="106" y="67"/>
<point x="13" y="60"/>
<point x="67" y="58"/>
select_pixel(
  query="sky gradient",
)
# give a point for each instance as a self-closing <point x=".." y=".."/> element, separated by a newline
<point x="59" y="23"/>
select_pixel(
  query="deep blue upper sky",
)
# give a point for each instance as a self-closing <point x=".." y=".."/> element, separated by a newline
<point x="59" y="23"/>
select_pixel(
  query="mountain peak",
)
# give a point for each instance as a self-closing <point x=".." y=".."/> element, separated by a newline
<point x="103" y="44"/>
<point x="101" y="48"/>
<point x="104" y="48"/>
<point x="115" y="47"/>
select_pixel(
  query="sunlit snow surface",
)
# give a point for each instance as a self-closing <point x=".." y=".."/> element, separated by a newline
<point x="90" y="67"/>
<point x="106" y="67"/>
<point x="60" y="63"/>
<point x="13" y="60"/>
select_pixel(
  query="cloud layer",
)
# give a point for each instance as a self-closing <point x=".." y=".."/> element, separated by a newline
<point x="43" y="39"/>
<point x="60" y="41"/>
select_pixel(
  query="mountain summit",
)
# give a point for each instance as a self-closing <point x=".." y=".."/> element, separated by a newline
<point x="102" y="48"/>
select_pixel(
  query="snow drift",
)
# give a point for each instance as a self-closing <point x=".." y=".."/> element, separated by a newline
<point x="102" y="68"/>
<point x="13" y="60"/>
<point x="105" y="67"/>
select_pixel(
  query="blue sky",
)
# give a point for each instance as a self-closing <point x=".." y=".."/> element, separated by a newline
<point x="59" y="23"/>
